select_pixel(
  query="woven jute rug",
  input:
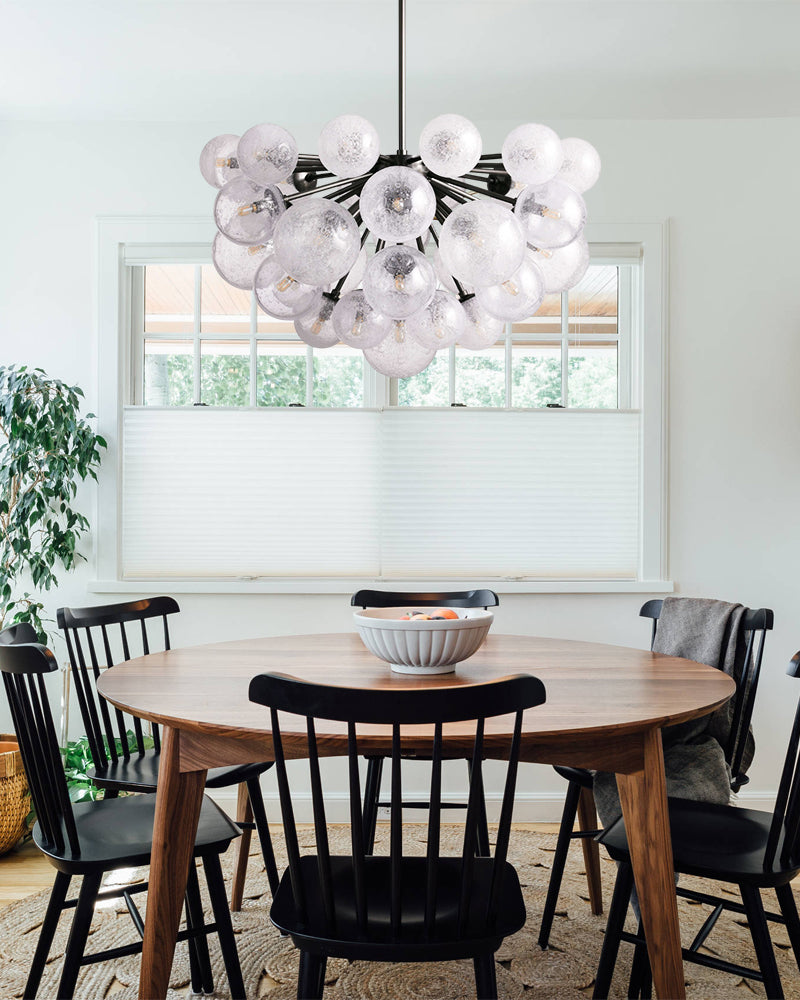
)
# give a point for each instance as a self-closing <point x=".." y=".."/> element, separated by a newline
<point x="269" y="962"/>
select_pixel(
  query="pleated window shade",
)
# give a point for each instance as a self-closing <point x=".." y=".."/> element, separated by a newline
<point x="473" y="494"/>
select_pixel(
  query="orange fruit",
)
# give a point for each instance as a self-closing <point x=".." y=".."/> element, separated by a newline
<point x="443" y="613"/>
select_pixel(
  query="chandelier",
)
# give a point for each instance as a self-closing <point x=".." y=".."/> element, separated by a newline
<point x="394" y="254"/>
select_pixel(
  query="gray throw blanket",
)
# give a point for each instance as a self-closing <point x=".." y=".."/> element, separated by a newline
<point x="708" y="632"/>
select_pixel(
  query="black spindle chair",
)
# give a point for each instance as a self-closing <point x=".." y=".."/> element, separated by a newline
<point x="579" y="800"/>
<point x="403" y="599"/>
<point x="91" y="838"/>
<point x="98" y="638"/>
<point x="396" y="908"/>
<point x="761" y="850"/>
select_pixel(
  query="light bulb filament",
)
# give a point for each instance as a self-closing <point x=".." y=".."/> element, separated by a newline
<point x="254" y="207"/>
<point x="254" y="250"/>
<point x="547" y="213"/>
<point x="358" y="324"/>
<point x="400" y="282"/>
<point x="511" y="287"/>
<point x="227" y="161"/>
<point x="399" y="331"/>
<point x="285" y="283"/>
<point x="398" y="204"/>
<point x="316" y="326"/>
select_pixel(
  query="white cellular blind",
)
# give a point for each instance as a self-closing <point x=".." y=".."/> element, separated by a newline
<point x="394" y="494"/>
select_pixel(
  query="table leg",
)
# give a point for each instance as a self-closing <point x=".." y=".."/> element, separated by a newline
<point x="643" y="795"/>
<point x="178" y="802"/>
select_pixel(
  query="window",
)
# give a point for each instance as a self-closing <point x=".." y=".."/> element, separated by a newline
<point x="303" y="464"/>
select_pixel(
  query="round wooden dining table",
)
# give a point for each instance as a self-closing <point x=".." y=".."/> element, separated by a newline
<point x="605" y="708"/>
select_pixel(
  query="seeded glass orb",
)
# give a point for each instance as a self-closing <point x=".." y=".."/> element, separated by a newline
<point x="481" y="330"/>
<point x="552" y="215"/>
<point x="482" y="243"/>
<point x="246" y="212"/>
<point x="532" y="154"/>
<point x="279" y="294"/>
<point x="444" y="276"/>
<point x="237" y="263"/>
<point x="397" y="204"/>
<point x="349" y="146"/>
<point x="398" y="281"/>
<point x="450" y="145"/>
<point x="398" y="355"/>
<point x="315" y="327"/>
<point x="267" y="153"/>
<point x="562" y="268"/>
<point x="356" y="273"/>
<point x="439" y="324"/>
<point x="218" y="163"/>
<point x="356" y="322"/>
<point x="517" y="297"/>
<point x="581" y="166"/>
<point x="317" y="241"/>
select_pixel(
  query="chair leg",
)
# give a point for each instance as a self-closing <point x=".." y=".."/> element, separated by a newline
<point x="587" y="820"/>
<point x="262" y="826"/>
<point x="616" y="921"/>
<point x="759" y="931"/>
<point x="641" y="981"/>
<point x="311" y="977"/>
<point x="54" y="907"/>
<point x="559" y="861"/>
<point x="788" y="907"/>
<point x="222" y="917"/>
<point x="372" y="791"/>
<point x="199" y="959"/>
<point x="78" y="934"/>
<point x="244" y="814"/>
<point x="485" y="977"/>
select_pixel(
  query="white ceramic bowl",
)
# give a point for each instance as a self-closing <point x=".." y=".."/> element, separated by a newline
<point x="422" y="647"/>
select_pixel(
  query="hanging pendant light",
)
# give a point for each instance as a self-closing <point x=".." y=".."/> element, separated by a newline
<point x="464" y="241"/>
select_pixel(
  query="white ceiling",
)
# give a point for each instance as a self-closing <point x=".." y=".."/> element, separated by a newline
<point x="242" y="61"/>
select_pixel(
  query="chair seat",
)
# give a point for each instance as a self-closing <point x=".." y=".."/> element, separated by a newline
<point x="139" y="773"/>
<point x="448" y="941"/>
<point x="723" y="842"/>
<point x="117" y="833"/>
<point x="578" y="774"/>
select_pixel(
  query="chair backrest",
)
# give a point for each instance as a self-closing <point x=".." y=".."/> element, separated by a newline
<point x="430" y="707"/>
<point x="785" y="829"/>
<point x="97" y="639"/>
<point x="747" y="670"/>
<point x="401" y="599"/>
<point x="24" y="666"/>
<point x="21" y="632"/>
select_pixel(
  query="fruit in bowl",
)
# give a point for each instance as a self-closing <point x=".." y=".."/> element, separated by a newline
<point x="434" y="614"/>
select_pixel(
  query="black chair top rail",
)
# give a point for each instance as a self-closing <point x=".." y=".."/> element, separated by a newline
<point x="453" y="599"/>
<point x="21" y="632"/>
<point x="114" y="614"/>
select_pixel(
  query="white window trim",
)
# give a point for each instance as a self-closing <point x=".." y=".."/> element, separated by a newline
<point x="115" y="379"/>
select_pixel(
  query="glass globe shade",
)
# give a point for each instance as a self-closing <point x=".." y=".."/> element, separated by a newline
<point x="552" y="214"/>
<point x="518" y="297"/>
<point x="450" y="145"/>
<point x="444" y="276"/>
<point x="216" y="157"/>
<point x="398" y="355"/>
<point x="398" y="281"/>
<point x="562" y="268"/>
<point x="237" y="263"/>
<point x="532" y="153"/>
<point x="317" y="241"/>
<point x="397" y="204"/>
<point x="482" y="243"/>
<point x="439" y="324"/>
<point x="246" y="212"/>
<point x="267" y="153"/>
<point x="356" y="322"/>
<point x="355" y="274"/>
<point x="581" y="166"/>
<point x="349" y="146"/>
<point x="315" y="327"/>
<point x="481" y="330"/>
<point x="279" y="294"/>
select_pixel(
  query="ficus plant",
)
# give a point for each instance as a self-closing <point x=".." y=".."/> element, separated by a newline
<point x="46" y="450"/>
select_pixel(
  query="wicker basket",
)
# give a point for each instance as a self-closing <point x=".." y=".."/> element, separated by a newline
<point x="14" y="798"/>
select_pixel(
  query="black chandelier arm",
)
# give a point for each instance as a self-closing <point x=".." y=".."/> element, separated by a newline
<point x="462" y="186"/>
<point x="339" y="186"/>
<point x="490" y="156"/>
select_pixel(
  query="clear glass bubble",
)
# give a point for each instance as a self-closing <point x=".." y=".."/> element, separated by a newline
<point x="440" y="323"/>
<point x="398" y="355"/>
<point x="357" y="323"/>
<point x="397" y="203"/>
<point x="481" y="330"/>
<point x="532" y="153"/>
<point x="450" y="145"/>
<point x="349" y="146"/>
<point x="267" y="153"/>
<point x="238" y="263"/>
<point x="246" y="212"/>
<point x="315" y="327"/>
<point x="482" y="243"/>
<point x="518" y="297"/>
<point x="398" y="281"/>
<point x="218" y="163"/>
<point x="279" y="294"/>
<point x="444" y="276"/>
<point x="562" y="268"/>
<point x="317" y="241"/>
<point x="551" y="214"/>
<point x="581" y="166"/>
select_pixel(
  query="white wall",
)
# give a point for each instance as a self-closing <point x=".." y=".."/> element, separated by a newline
<point x="725" y="186"/>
